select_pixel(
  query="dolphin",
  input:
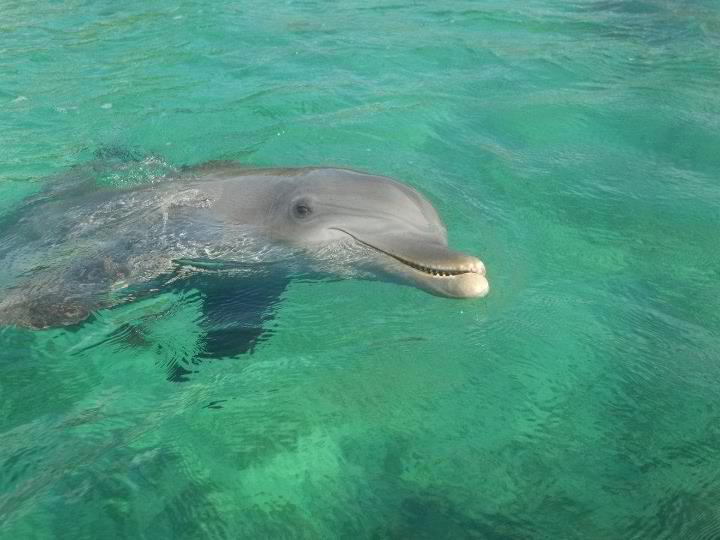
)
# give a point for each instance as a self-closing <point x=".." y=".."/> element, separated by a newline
<point x="77" y="247"/>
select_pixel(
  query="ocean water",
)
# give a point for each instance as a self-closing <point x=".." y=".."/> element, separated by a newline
<point x="573" y="145"/>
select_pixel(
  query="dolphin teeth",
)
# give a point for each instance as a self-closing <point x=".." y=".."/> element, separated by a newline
<point x="440" y="272"/>
<point x="473" y="267"/>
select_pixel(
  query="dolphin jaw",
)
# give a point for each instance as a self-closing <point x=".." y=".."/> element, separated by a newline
<point x="475" y="266"/>
<point x="462" y="279"/>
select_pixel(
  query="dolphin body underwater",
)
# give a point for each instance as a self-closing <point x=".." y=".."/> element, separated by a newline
<point x="77" y="247"/>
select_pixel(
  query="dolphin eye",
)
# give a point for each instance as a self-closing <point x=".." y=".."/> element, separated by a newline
<point x="302" y="210"/>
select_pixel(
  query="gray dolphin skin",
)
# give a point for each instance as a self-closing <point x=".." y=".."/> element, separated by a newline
<point x="71" y="250"/>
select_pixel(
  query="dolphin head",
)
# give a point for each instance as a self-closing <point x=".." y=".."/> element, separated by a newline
<point x="396" y="226"/>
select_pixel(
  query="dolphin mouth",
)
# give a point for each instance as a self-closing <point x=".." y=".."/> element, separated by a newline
<point x="433" y="271"/>
<point x="463" y="277"/>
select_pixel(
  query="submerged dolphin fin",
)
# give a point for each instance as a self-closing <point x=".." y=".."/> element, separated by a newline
<point x="235" y="313"/>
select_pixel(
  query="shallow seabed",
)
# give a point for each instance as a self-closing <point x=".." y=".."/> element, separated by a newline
<point x="572" y="145"/>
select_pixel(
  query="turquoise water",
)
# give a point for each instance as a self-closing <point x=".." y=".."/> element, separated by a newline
<point x="573" y="146"/>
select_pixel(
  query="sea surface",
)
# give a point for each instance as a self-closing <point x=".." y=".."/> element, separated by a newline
<point x="574" y="146"/>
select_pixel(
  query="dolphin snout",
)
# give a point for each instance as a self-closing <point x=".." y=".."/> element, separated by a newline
<point x="430" y="265"/>
<point x="468" y="285"/>
<point x="466" y="280"/>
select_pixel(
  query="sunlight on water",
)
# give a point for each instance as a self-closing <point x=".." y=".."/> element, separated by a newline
<point x="573" y="146"/>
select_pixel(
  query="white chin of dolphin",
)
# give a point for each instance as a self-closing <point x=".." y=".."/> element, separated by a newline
<point x="469" y="282"/>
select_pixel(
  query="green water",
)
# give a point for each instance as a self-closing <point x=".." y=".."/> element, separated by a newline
<point x="573" y="146"/>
